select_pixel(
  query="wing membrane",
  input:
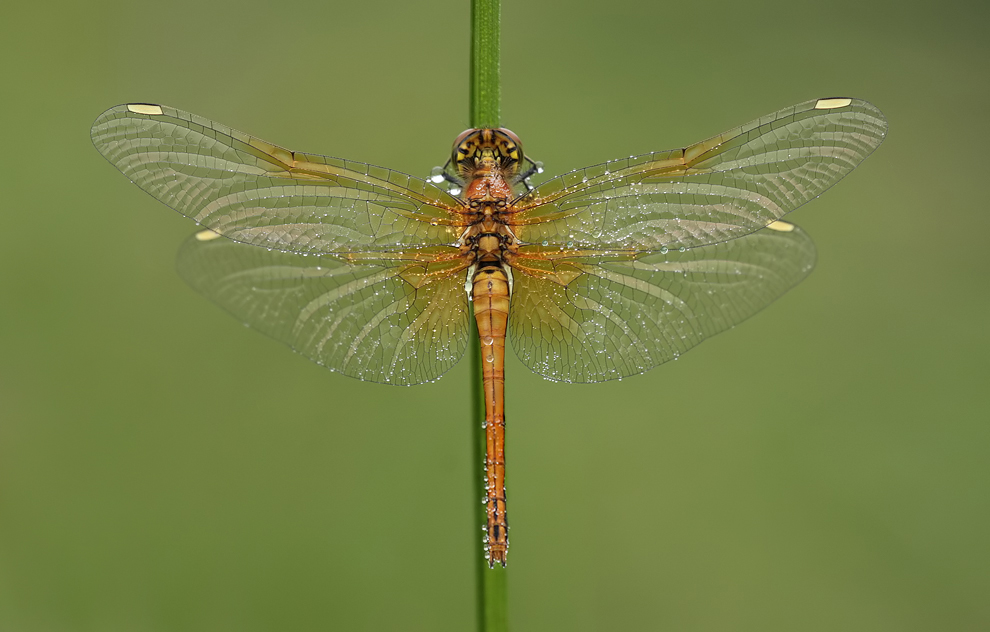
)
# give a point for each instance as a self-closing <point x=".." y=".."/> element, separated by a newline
<point x="261" y="194"/>
<point x="719" y="189"/>
<point x="396" y="322"/>
<point x="596" y="318"/>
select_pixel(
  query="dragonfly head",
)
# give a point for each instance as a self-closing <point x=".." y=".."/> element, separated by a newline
<point x="483" y="151"/>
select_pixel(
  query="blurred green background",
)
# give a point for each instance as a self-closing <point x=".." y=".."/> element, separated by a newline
<point x="821" y="467"/>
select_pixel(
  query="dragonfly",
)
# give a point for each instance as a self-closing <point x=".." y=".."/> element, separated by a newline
<point x="596" y="274"/>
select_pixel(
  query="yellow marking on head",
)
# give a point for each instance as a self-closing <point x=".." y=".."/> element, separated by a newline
<point x="831" y="104"/>
<point x="207" y="235"/>
<point x="145" y="108"/>
<point x="783" y="227"/>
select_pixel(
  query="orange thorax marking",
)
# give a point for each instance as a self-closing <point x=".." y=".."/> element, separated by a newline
<point x="488" y="196"/>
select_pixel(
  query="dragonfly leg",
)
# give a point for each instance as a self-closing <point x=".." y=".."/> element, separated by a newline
<point x="533" y="169"/>
<point x="444" y="174"/>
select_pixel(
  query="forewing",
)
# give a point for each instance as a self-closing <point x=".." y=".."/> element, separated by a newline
<point x="719" y="189"/>
<point x="257" y="193"/>
<point x="597" y="318"/>
<point x="396" y="322"/>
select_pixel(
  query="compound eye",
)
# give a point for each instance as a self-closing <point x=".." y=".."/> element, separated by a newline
<point x="463" y="135"/>
<point x="511" y="135"/>
<point x="512" y="138"/>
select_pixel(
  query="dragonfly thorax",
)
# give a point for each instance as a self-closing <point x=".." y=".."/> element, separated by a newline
<point x="487" y="236"/>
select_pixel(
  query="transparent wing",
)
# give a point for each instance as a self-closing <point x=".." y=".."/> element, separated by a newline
<point x="257" y="193"/>
<point x="719" y="189"/>
<point x="596" y="318"/>
<point x="396" y="322"/>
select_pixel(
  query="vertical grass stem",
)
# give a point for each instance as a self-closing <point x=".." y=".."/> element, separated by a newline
<point x="484" y="104"/>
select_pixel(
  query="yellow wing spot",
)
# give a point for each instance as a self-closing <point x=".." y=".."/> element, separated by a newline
<point x="783" y="227"/>
<point x="207" y="235"/>
<point x="284" y="156"/>
<point x="145" y="108"/>
<point x="831" y="104"/>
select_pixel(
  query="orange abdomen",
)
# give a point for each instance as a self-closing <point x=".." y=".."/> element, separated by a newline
<point x="491" y="311"/>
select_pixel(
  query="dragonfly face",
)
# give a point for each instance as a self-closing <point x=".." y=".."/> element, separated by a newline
<point x="597" y="274"/>
<point x="480" y="151"/>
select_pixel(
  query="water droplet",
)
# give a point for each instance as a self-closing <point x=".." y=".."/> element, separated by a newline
<point x="682" y="249"/>
<point x="487" y="340"/>
<point x="663" y="250"/>
<point x="546" y="243"/>
<point x="490" y="358"/>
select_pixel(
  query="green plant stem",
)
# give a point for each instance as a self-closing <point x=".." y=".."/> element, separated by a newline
<point x="485" y="97"/>
<point x="485" y="87"/>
